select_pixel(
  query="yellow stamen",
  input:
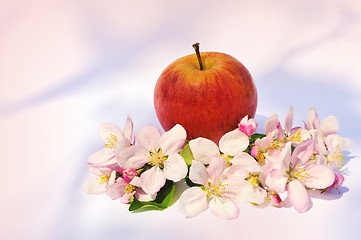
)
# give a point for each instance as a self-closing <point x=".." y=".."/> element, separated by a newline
<point x="129" y="188"/>
<point x="253" y="179"/>
<point x="228" y="159"/>
<point x="296" y="137"/>
<point x="300" y="173"/>
<point x="277" y="144"/>
<point x="261" y="156"/>
<point x="215" y="190"/>
<point x="111" y="141"/>
<point x="103" y="179"/>
<point x="337" y="157"/>
<point x="156" y="157"/>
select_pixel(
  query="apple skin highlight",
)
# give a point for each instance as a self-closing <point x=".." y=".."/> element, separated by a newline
<point x="207" y="103"/>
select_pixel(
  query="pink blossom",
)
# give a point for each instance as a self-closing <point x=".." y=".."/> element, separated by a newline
<point x="297" y="173"/>
<point x="217" y="192"/>
<point x="100" y="181"/>
<point x="114" y="140"/>
<point x="160" y="153"/>
<point x="247" y="126"/>
<point x="124" y="190"/>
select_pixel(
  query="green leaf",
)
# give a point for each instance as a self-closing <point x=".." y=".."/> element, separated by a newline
<point x="190" y="183"/>
<point x="161" y="202"/>
<point x="187" y="155"/>
<point x="255" y="136"/>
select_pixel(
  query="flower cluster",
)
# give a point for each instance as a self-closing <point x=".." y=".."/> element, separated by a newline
<point x="282" y="165"/>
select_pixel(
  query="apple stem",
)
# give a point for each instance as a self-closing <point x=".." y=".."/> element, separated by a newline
<point x="196" y="47"/>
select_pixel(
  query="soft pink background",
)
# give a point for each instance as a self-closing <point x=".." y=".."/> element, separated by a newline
<point x="66" y="66"/>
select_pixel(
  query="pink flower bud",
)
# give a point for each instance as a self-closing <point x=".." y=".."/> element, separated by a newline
<point x="275" y="199"/>
<point x="336" y="184"/>
<point x="254" y="151"/>
<point x="338" y="181"/>
<point x="247" y="126"/>
<point x="128" y="174"/>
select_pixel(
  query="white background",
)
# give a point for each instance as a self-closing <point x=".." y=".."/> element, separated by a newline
<point x="66" y="66"/>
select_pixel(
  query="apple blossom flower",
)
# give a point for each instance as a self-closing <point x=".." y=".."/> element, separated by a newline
<point x="231" y="144"/>
<point x="125" y="189"/>
<point x="281" y="136"/>
<point x="297" y="173"/>
<point x="114" y="140"/>
<point x="102" y="178"/>
<point x="247" y="126"/>
<point x="217" y="192"/>
<point x="248" y="171"/>
<point x="330" y="150"/>
<point x="160" y="153"/>
<point x="327" y="126"/>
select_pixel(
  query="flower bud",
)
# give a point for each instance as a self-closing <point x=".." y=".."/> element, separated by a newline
<point x="247" y="126"/>
<point x="275" y="199"/>
<point x="128" y="174"/>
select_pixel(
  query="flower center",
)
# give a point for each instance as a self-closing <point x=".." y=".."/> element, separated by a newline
<point x="215" y="190"/>
<point x="296" y="137"/>
<point x="253" y="179"/>
<point x="103" y="179"/>
<point x="299" y="173"/>
<point x="111" y="141"/>
<point x="337" y="157"/>
<point x="156" y="157"/>
<point x="261" y="156"/>
<point x="129" y="188"/>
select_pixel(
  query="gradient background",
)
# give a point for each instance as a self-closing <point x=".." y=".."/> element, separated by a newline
<point x="66" y="66"/>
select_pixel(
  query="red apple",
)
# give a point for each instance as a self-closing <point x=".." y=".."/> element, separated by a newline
<point x="207" y="96"/>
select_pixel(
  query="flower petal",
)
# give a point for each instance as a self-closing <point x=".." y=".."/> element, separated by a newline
<point x="149" y="137"/>
<point x="133" y="157"/>
<point x="337" y="143"/>
<point x="264" y="143"/>
<point x="303" y="152"/>
<point x="105" y="129"/>
<point x="271" y="125"/>
<point x="224" y="208"/>
<point x="117" y="190"/>
<point x="126" y="197"/>
<point x="198" y="173"/>
<point x="92" y="186"/>
<point x="173" y="140"/>
<point x="152" y="180"/>
<point x="247" y="162"/>
<point x="233" y="142"/>
<point x="102" y="157"/>
<point x="289" y="120"/>
<point x="128" y="130"/>
<point x="253" y="194"/>
<point x="276" y="180"/>
<point x="298" y="196"/>
<point x="312" y="119"/>
<point x="143" y="196"/>
<point x="329" y="125"/>
<point x="175" y="168"/>
<point x="321" y="176"/>
<point x="203" y="149"/>
<point x="192" y="202"/>
<point x="216" y="167"/>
